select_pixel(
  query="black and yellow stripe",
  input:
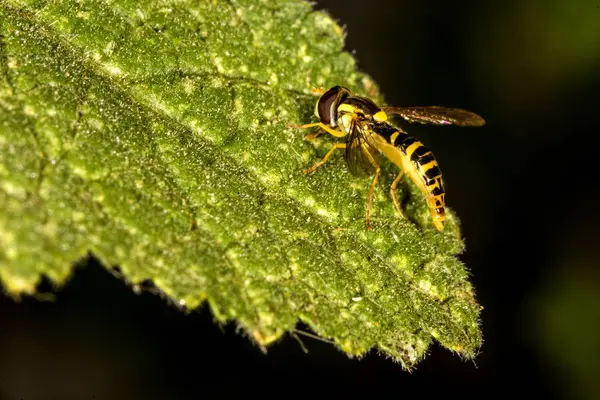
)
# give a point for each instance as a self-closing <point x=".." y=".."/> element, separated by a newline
<point x="421" y="165"/>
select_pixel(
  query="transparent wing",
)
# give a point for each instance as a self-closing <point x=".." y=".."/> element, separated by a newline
<point x="435" y="115"/>
<point x="362" y="155"/>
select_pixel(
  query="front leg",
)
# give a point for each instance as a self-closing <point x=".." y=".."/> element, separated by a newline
<point x="312" y="136"/>
<point x="321" y="125"/>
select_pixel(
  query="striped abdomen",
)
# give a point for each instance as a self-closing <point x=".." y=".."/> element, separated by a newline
<point x="424" y="170"/>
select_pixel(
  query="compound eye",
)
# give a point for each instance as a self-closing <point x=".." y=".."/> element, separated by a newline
<point x="326" y="107"/>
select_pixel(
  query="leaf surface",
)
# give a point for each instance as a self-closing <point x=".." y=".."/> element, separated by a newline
<point x="152" y="134"/>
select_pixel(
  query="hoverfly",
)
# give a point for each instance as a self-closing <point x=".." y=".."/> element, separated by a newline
<point x="369" y="134"/>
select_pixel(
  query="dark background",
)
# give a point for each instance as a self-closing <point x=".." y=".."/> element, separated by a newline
<point x="525" y="188"/>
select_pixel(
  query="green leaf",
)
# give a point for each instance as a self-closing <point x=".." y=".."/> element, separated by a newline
<point x="152" y="134"/>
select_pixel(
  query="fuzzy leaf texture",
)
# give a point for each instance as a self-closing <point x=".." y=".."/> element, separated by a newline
<point x="152" y="134"/>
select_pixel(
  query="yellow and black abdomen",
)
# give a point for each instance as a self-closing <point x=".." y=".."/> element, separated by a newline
<point x="419" y="162"/>
<point x="429" y="175"/>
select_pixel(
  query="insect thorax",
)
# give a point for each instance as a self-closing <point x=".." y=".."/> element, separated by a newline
<point x="353" y="108"/>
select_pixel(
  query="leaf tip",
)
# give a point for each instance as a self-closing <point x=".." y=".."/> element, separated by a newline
<point x="16" y="285"/>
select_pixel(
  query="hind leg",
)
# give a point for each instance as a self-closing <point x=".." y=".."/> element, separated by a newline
<point x="394" y="195"/>
<point x="370" y="201"/>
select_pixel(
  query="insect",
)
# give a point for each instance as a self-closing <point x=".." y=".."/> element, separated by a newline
<point x="369" y="134"/>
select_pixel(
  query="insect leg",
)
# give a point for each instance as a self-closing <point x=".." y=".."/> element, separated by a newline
<point x="320" y="125"/>
<point x="370" y="202"/>
<point x="312" y="136"/>
<point x="393" y="192"/>
<point x="324" y="160"/>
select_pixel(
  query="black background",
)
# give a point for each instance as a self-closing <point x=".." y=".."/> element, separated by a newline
<point x="525" y="188"/>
